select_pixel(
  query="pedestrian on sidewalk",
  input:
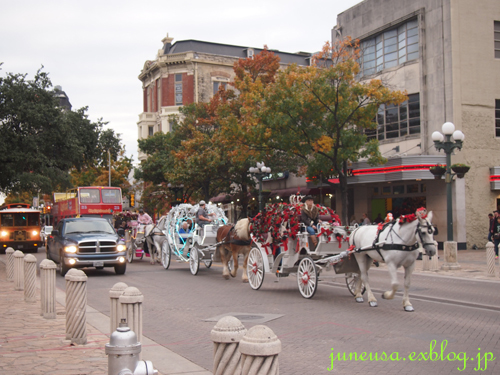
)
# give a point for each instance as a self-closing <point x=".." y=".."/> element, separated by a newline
<point x="496" y="235"/>
<point x="490" y="231"/>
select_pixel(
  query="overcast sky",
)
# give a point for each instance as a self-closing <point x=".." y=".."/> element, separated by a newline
<point x="95" y="50"/>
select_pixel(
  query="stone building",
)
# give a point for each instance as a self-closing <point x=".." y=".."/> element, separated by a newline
<point x="446" y="55"/>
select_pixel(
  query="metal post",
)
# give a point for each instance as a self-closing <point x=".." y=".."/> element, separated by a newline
<point x="30" y="278"/>
<point x="449" y="202"/>
<point x="260" y="193"/>
<point x="48" y="289"/>
<point x="226" y="336"/>
<point x="259" y="352"/>
<point x="115" y="313"/>
<point x="18" y="270"/>
<point x="10" y="263"/>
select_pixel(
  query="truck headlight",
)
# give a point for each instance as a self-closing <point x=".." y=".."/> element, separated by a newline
<point x="34" y="233"/>
<point x="121" y="247"/>
<point x="4" y="233"/>
<point x="70" y="249"/>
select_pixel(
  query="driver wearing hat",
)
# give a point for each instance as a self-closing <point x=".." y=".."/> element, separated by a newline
<point x="310" y="217"/>
<point x="202" y="216"/>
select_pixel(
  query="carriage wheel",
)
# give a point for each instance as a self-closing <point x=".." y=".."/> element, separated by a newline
<point x="255" y="268"/>
<point x="208" y="263"/>
<point x="194" y="260"/>
<point x="130" y="251"/>
<point x="165" y="254"/>
<point x="350" y="280"/>
<point x="307" y="277"/>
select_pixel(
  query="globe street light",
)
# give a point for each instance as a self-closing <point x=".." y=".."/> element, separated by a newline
<point x="259" y="173"/>
<point x="448" y="141"/>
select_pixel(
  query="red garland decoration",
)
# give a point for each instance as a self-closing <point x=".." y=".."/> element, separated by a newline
<point x="407" y="218"/>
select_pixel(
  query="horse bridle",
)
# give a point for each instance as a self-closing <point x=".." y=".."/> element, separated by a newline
<point x="430" y="230"/>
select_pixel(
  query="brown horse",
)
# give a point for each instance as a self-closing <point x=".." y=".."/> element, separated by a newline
<point x="235" y="239"/>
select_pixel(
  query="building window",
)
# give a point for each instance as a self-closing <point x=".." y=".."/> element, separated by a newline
<point x="497" y="39"/>
<point x="395" y="121"/>
<point x="218" y="84"/>
<point x="151" y="131"/>
<point x="390" y="48"/>
<point x="497" y="118"/>
<point x="178" y="89"/>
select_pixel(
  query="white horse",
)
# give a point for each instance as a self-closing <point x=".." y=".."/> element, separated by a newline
<point x="154" y="236"/>
<point x="397" y="245"/>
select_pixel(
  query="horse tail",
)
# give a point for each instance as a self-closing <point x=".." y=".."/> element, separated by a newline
<point x="242" y="230"/>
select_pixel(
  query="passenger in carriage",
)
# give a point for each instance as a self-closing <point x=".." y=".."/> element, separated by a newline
<point x="184" y="228"/>
<point x="310" y="217"/>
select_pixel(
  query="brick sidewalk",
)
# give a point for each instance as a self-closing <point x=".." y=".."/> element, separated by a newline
<point x="30" y="344"/>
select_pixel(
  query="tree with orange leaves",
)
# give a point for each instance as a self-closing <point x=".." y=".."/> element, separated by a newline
<point x="320" y="114"/>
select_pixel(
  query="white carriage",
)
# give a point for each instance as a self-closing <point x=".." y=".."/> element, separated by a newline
<point x="199" y="245"/>
<point x="135" y="240"/>
<point x="297" y="255"/>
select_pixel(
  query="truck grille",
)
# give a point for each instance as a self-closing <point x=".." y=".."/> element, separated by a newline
<point x="90" y="247"/>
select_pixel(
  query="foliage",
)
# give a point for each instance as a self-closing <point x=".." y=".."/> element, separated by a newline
<point x="438" y="166"/>
<point x="40" y="140"/>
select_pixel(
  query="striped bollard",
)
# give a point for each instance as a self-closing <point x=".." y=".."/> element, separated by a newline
<point x="78" y="324"/>
<point x="48" y="289"/>
<point x="30" y="278"/>
<point x="259" y="352"/>
<point x="226" y="336"/>
<point x="70" y="311"/>
<point x="10" y="263"/>
<point x="425" y="262"/>
<point x="115" y="313"/>
<point x="131" y="305"/>
<point x="18" y="270"/>
<point x="434" y="266"/>
<point x="490" y="259"/>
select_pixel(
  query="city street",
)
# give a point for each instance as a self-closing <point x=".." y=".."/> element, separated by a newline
<point x="456" y="320"/>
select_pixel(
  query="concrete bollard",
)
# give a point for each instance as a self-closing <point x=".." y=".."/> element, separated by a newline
<point x="490" y="259"/>
<point x="18" y="270"/>
<point x="70" y="311"/>
<point x="10" y="263"/>
<point x="434" y="262"/>
<point x="48" y="289"/>
<point x="30" y="278"/>
<point x="78" y="323"/>
<point x="259" y="352"/>
<point x="115" y="313"/>
<point x="131" y="304"/>
<point x="226" y="336"/>
<point x="425" y="262"/>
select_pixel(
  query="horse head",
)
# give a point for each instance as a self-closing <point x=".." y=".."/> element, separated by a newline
<point x="425" y="232"/>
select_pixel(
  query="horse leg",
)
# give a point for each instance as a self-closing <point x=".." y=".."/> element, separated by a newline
<point x="224" y="260"/>
<point x="244" y="277"/>
<point x="364" y="265"/>
<point x="151" y="249"/>
<point x="234" y="272"/>
<point x="393" y="272"/>
<point x="406" y="298"/>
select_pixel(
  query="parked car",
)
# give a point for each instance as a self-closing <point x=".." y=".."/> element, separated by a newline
<point x="86" y="242"/>
<point x="44" y="233"/>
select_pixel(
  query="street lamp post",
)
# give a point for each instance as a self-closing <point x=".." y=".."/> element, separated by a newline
<point x="259" y="173"/>
<point x="448" y="141"/>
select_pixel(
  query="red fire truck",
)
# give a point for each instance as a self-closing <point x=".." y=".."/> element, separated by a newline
<point x="97" y="201"/>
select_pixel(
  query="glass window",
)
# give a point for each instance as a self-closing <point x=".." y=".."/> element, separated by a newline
<point x="90" y="196"/>
<point x="497" y="118"/>
<point x="111" y="196"/>
<point x="178" y="78"/>
<point x="392" y="121"/>
<point x="386" y="190"/>
<point x="413" y="188"/>
<point x="497" y="40"/>
<point x="7" y="220"/>
<point x="400" y="189"/>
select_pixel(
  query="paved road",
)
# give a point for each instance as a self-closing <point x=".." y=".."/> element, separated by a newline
<point x="460" y="315"/>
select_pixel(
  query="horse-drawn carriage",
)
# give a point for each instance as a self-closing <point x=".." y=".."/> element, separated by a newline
<point x="195" y="246"/>
<point x="286" y="249"/>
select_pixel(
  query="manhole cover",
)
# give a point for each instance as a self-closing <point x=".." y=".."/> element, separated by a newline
<point x="246" y="317"/>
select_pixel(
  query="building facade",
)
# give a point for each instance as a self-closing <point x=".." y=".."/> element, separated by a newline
<point x="446" y="55"/>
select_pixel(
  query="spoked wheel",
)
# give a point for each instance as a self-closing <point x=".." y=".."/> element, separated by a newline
<point x="307" y="277"/>
<point x="194" y="260"/>
<point x="351" y="280"/>
<point x="255" y="268"/>
<point x="165" y="254"/>
<point x="208" y="262"/>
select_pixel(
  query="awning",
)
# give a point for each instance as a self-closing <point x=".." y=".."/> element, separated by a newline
<point x="289" y="191"/>
<point x="495" y="178"/>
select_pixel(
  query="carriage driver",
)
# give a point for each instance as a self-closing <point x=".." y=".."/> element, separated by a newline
<point x="310" y="217"/>
<point x="202" y="216"/>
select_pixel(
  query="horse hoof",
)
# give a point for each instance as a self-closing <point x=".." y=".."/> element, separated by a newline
<point x="383" y="296"/>
<point x="359" y="300"/>
<point x="373" y="304"/>
<point x="245" y="280"/>
<point x="232" y="275"/>
<point x="225" y="277"/>
<point x="409" y="308"/>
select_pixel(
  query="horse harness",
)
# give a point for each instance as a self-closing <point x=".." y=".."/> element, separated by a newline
<point x="239" y="242"/>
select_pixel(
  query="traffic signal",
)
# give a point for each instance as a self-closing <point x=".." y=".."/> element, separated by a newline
<point x="132" y="200"/>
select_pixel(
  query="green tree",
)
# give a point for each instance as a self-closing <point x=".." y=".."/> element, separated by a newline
<point x="41" y="141"/>
<point x="321" y="113"/>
